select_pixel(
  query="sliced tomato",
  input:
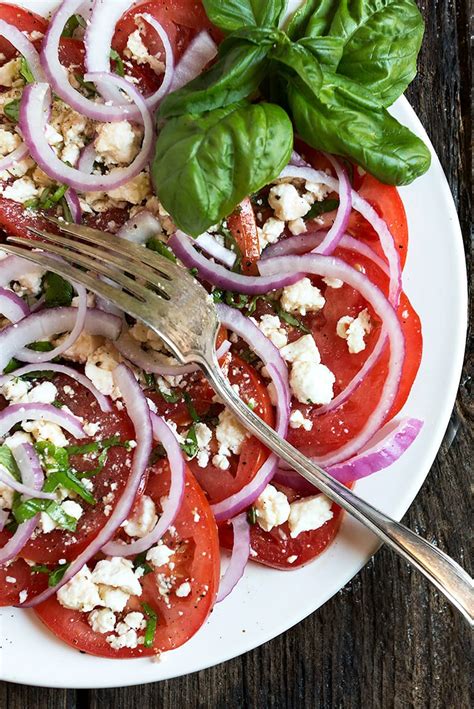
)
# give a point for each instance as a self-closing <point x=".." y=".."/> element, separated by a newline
<point x="278" y="549"/>
<point x="195" y="538"/>
<point x="243" y="227"/>
<point x="182" y="21"/>
<point x="18" y="577"/>
<point x="219" y="484"/>
<point x="49" y="548"/>
<point x="24" y="20"/>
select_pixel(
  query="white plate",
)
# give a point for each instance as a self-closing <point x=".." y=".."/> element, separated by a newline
<point x="435" y="280"/>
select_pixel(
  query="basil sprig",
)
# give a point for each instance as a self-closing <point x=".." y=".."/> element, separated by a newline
<point x="333" y="71"/>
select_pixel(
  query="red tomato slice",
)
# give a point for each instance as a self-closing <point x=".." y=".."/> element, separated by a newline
<point x="197" y="560"/>
<point x="243" y="227"/>
<point x="24" y="20"/>
<point x="20" y="578"/>
<point x="59" y="544"/>
<point x="277" y="549"/>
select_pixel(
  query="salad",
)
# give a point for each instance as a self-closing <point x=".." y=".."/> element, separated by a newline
<point x="250" y="142"/>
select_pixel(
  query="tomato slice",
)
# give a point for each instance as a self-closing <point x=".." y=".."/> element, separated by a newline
<point x="16" y="578"/>
<point x="196" y="542"/>
<point x="243" y="227"/>
<point x="24" y="20"/>
<point x="277" y="548"/>
<point x="49" y="548"/>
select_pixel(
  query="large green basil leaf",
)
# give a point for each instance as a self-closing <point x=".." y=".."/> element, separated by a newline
<point x="327" y="50"/>
<point x="236" y="75"/>
<point x="205" y="165"/>
<point x="382" y="40"/>
<point x="300" y="60"/>
<point x="233" y="14"/>
<point x="311" y="10"/>
<point x="345" y="120"/>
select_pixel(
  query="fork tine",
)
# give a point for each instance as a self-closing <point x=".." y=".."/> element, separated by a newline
<point x="166" y="267"/>
<point x="74" y="247"/>
<point x="99" y="267"/>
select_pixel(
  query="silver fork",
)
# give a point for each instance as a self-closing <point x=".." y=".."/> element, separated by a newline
<point x="182" y="313"/>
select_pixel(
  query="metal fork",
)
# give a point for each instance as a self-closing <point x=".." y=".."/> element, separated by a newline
<point x="167" y="298"/>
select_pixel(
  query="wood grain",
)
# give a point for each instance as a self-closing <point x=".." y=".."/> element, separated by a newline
<point x="387" y="640"/>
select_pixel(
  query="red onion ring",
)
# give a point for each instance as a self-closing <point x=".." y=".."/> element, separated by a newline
<point x="24" y="489"/>
<point x="33" y="477"/>
<point x="171" y="506"/>
<point x="72" y="201"/>
<point x="219" y="276"/>
<point x="12" y="306"/>
<point x="277" y="369"/>
<point x="98" y="40"/>
<point x="13" y="267"/>
<point x="14" y="157"/>
<point x="18" y="413"/>
<point x="36" y="102"/>
<point x="45" y="324"/>
<point x="24" y="47"/>
<point x="102" y="400"/>
<point x="378" y="457"/>
<point x="138" y="411"/>
<point x="335" y="233"/>
<point x="140" y="228"/>
<point x="211" y="247"/>
<point x="240" y="556"/>
<point x="369" y="213"/>
<point x="331" y="267"/>
<point x="197" y="56"/>
<point x="87" y="159"/>
<point x="131" y="350"/>
<point x="57" y="75"/>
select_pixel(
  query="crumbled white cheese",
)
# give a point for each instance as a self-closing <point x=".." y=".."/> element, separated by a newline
<point x="143" y="519"/>
<point x="316" y="191"/>
<point x="135" y="620"/>
<point x="30" y="282"/>
<point x="134" y="191"/>
<point x="309" y="513"/>
<point x="44" y="393"/>
<point x="73" y="509"/>
<point x="270" y="232"/>
<point x="183" y="590"/>
<point x="83" y="347"/>
<point x="230" y="434"/>
<point x="6" y="493"/>
<point x="333" y="282"/>
<point x="90" y="428"/>
<point x="118" y="573"/>
<point x="302" y="297"/>
<point x="203" y="439"/>
<point x="21" y="190"/>
<point x="137" y="51"/>
<point x="272" y="328"/>
<point x="80" y="593"/>
<point x="102" y="620"/>
<point x="113" y="598"/>
<point x="16" y="390"/>
<point x="303" y="350"/>
<point x="117" y="143"/>
<point x="159" y="555"/>
<point x="10" y="72"/>
<point x="272" y="508"/>
<point x="17" y="439"/>
<point x="128" y="639"/>
<point x="220" y="461"/>
<point x="354" y="330"/>
<point x="8" y="141"/>
<point x="46" y="431"/>
<point x="297" y="420"/>
<point x="99" y="368"/>
<point x="312" y="383"/>
<point x="286" y="202"/>
<point x="297" y="226"/>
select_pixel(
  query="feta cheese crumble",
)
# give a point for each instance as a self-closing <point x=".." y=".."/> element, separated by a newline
<point x="272" y="328"/>
<point x="302" y="297"/>
<point x="354" y="330"/>
<point x="143" y="519"/>
<point x="309" y="513"/>
<point x="286" y="202"/>
<point x="272" y="508"/>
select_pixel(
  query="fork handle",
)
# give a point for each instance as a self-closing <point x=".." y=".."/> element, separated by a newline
<point x="440" y="569"/>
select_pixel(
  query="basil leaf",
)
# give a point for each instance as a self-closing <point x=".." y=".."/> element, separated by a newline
<point x="157" y="245"/>
<point x="43" y="346"/>
<point x="233" y="14"/>
<point x="27" y="509"/>
<point x="57" y="291"/>
<point x="318" y="12"/>
<point x="57" y="574"/>
<point x="25" y="71"/>
<point x="237" y="74"/>
<point x="140" y="562"/>
<point x="318" y="208"/>
<point x="346" y="121"/>
<point x="8" y="461"/>
<point x="205" y="165"/>
<point x="12" y="365"/>
<point x="68" y="480"/>
<point x="190" y="445"/>
<point x="327" y="50"/>
<point x="382" y="40"/>
<point x="151" y="623"/>
<point x="300" y="60"/>
<point x="12" y="110"/>
<point x="72" y="24"/>
<point x="118" y="61"/>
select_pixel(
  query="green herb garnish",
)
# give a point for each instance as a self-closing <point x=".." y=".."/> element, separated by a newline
<point x="151" y="623"/>
<point x="57" y="574"/>
<point x="72" y="24"/>
<point x="8" y="461"/>
<point x="12" y="110"/>
<point x="57" y="291"/>
<point x="26" y="72"/>
<point x="117" y="59"/>
<point x="23" y="511"/>
<point x="155" y="244"/>
<point x="318" y="208"/>
<point x="190" y="445"/>
<point x="140" y="562"/>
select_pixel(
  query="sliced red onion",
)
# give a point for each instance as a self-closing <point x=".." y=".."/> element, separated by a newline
<point x="46" y="323"/>
<point x="150" y="363"/>
<point x="33" y="477"/>
<point x="335" y="233"/>
<point x="140" y="228"/>
<point x="139" y="413"/>
<point x="171" y="505"/>
<point x="26" y="355"/>
<point x="219" y="276"/>
<point x="12" y="306"/>
<point x="87" y="159"/>
<point x="102" y="400"/>
<point x="58" y="78"/>
<point x="197" y="56"/>
<point x="24" y="489"/>
<point x="98" y="40"/>
<point x="14" y="157"/>
<point x="360" y="247"/>
<point x="211" y="246"/>
<point x="4" y="515"/>
<point x="297" y="161"/>
<point x="239" y="558"/>
<point x="278" y="372"/>
<point x="378" y="457"/>
<point x="24" y="47"/>
<point x="34" y="109"/>
<point x="72" y="201"/>
<point x="14" y="267"/>
<point x="18" y="413"/>
<point x="368" y="212"/>
<point x="331" y="267"/>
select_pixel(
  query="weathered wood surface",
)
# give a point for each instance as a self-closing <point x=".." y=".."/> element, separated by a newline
<point x="388" y="639"/>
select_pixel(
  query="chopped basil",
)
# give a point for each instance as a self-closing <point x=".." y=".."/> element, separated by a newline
<point x="119" y="67"/>
<point x="12" y="365"/>
<point x="190" y="445"/>
<point x="12" y="110"/>
<point x="27" y="509"/>
<point x="40" y="569"/>
<point x="291" y="320"/>
<point x="56" y="463"/>
<point x="192" y="411"/>
<point x="41" y="346"/>
<point x="72" y="24"/>
<point x="159" y="247"/>
<point x="25" y="71"/>
<point x="140" y="562"/>
<point x="57" y="291"/>
<point x="57" y="574"/>
<point x="101" y="447"/>
<point x="151" y="623"/>
<point x="318" y="208"/>
<point x="8" y="461"/>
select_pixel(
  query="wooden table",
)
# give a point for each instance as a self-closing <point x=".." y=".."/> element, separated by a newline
<point x="387" y="639"/>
